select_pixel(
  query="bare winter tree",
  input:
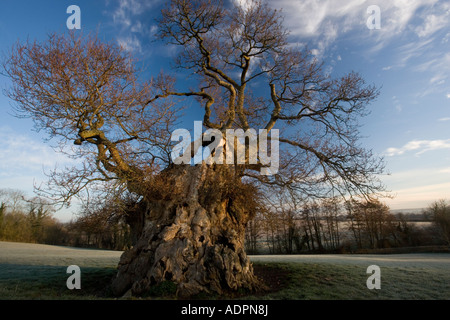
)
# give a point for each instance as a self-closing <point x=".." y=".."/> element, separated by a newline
<point x="439" y="213"/>
<point x="245" y="74"/>
<point x="371" y="223"/>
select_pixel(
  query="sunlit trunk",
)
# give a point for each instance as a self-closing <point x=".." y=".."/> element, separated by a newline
<point x="193" y="237"/>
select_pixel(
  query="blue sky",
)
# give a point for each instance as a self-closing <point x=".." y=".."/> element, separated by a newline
<point x="408" y="57"/>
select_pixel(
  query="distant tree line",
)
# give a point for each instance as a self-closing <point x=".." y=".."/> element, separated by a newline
<point x="27" y="220"/>
<point x="331" y="225"/>
<point x="32" y="221"/>
<point x="286" y="227"/>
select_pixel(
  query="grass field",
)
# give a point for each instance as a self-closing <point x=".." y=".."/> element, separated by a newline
<point x="32" y="271"/>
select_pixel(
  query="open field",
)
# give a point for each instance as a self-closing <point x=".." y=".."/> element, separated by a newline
<point x="41" y="254"/>
<point x="33" y="271"/>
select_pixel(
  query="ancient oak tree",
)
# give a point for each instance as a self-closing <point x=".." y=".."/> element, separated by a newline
<point x="189" y="220"/>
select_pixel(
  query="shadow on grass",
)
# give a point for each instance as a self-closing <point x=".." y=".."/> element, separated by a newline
<point x="321" y="281"/>
<point x="49" y="282"/>
<point x="286" y="281"/>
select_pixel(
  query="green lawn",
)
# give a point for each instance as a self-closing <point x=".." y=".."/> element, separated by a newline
<point x="49" y="282"/>
<point x="39" y="272"/>
<point x="310" y="281"/>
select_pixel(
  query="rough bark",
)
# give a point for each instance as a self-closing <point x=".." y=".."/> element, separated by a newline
<point x="193" y="235"/>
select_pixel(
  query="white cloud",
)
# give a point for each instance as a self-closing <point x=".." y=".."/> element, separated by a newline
<point x="138" y="27"/>
<point x="128" y="16"/>
<point x="130" y="43"/>
<point x="444" y="119"/>
<point x="24" y="160"/>
<point x="323" y="21"/>
<point x="22" y="152"/>
<point x="421" y="146"/>
<point x="415" y="49"/>
<point x="435" y="63"/>
<point x="315" y="52"/>
<point x="433" y="23"/>
<point x="128" y="9"/>
<point x="438" y="79"/>
<point x="423" y="55"/>
<point x="312" y="18"/>
<point x="245" y="4"/>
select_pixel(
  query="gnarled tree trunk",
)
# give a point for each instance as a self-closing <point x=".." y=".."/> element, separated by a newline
<point x="193" y="235"/>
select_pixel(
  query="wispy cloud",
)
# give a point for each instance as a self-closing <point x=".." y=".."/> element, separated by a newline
<point x="433" y="23"/>
<point x="321" y="22"/>
<point x="411" y="50"/>
<point x="130" y="43"/>
<point x="420" y="146"/>
<point x="131" y="17"/>
<point x="23" y="153"/>
<point x="410" y="30"/>
<point x="128" y="9"/>
<point x="324" y="21"/>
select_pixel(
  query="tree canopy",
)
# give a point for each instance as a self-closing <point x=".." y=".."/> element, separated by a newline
<point x="245" y="74"/>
